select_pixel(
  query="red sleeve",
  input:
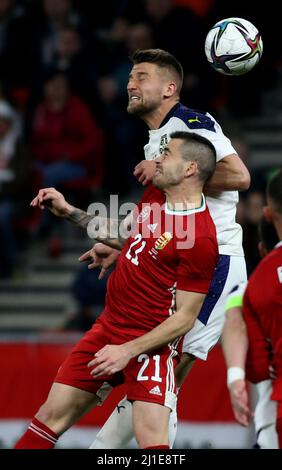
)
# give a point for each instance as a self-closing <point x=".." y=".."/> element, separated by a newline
<point x="197" y="265"/>
<point x="258" y="357"/>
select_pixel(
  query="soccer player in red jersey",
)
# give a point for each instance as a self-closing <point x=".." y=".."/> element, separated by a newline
<point x="235" y="348"/>
<point x="154" y="88"/>
<point x="262" y="308"/>
<point x="153" y="297"/>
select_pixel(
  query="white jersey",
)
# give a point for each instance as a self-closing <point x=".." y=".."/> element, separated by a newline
<point x="223" y="207"/>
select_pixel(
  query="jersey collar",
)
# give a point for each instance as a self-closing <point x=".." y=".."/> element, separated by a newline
<point x="188" y="211"/>
<point x="278" y="244"/>
<point x="170" y="114"/>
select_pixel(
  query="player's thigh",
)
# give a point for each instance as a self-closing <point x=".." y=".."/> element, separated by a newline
<point x="66" y="400"/>
<point x="150" y="423"/>
<point x="184" y="367"/>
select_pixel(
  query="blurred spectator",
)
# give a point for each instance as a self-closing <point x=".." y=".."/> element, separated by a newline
<point x="71" y="56"/>
<point x="125" y="134"/>
<point x="50" y="16"/>
<point x="254" y="204"/>
<point x="175" y="27"/>
<point x="16" y="48"/>
<point x="89" y="293"/>
<point x="66" y="143"/>
<point x="201" y="8"/>
<point x="138" y="36"/>
<point x="13" y="185"/>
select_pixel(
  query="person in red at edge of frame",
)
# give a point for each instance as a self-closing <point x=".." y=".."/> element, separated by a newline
<point x="153" y="297"/>
<point x="262" y="308"/>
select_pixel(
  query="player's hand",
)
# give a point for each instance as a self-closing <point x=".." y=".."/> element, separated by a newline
<point x="239" y="401"/>
<point x="53" y="200"/>
<point x="109" y="360"/>
<point x="145" y="171"/>
<point x="100" y="255"/>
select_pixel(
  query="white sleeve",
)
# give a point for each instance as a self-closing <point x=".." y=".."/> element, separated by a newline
<point x="221" y="143"/>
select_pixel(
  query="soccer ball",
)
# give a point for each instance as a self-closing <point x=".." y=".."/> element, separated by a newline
<point x="233" y="46"/>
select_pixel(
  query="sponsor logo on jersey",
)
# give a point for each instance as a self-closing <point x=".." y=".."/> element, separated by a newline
<point x="163" y="143"/>
<point x="163" y="240"/>
<point x="279" y="272"/>
<point x="152" y="227"/>
<point x="144" y="214"/>
<point x="196" y="119"/>
<point x="156" y="391"/>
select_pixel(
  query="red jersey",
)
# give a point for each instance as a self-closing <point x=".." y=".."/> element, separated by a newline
<point x="262" y="310"/>
<point x="166" y="251"/>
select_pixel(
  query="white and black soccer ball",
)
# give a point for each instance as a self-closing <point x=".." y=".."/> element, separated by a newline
<point x="233" y="46"/>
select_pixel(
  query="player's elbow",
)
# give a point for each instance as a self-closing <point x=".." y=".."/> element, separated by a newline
<point x="188" y="325"/>
<point x="244" y="180"/>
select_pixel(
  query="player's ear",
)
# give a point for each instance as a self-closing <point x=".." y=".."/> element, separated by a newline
<point x="170" y="89"/>
<point x="191" y="169"/>
<point x="268" y="213"/>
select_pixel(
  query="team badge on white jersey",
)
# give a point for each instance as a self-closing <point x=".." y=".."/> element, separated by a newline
<point x="163" y="143"/>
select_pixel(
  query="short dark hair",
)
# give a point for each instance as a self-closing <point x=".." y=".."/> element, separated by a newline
<point x="274" y="190"/>
<point x="161" y="58"/>
<point x="198" y="149"/>
<point x="267" y="234"/>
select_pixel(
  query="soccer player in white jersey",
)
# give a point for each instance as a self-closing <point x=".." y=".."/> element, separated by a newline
<point x="154" y="87"/>
<point x="235" y="346"/>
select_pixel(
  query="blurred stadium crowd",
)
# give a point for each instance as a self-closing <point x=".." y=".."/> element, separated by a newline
<point x="63" y="72"/>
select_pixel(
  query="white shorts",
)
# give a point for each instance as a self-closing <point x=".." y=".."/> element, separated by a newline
<point x="230" y="271"/>
<point x="265" y="417"/>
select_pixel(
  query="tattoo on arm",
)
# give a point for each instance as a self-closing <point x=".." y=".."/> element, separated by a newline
<point x="80" y="218"/>
<point x="108" y="231"/>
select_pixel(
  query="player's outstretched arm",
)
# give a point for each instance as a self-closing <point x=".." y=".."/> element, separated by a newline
<point x="53" y="200"/>
<point x="113" y="358"/>
<point x="97" y="227"/>
<point x="231" y="174"/>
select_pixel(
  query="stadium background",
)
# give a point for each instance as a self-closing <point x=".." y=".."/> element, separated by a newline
<point x="47" y="299"/>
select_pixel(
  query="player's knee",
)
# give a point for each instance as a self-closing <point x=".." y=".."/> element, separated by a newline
<point x="150" y="435"/>
<point x="56" y="417"/>
<point x="151" y="440"/>
<point x="48" y="413"/>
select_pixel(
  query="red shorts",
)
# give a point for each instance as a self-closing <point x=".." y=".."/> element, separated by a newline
<point x="149" y="377"/>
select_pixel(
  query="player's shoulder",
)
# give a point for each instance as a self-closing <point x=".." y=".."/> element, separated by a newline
<point x="269" y="270"/>
<point x="193" y="118"/>
<point x="205" y="230"/>
<point x="272" y="259"/>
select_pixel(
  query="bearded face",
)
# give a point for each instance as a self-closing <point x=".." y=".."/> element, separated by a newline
<point x="145" y="89"/>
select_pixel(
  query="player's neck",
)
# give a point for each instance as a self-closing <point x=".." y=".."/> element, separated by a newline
<point x="156" y="117"/>
<point x="182" y="198"/>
